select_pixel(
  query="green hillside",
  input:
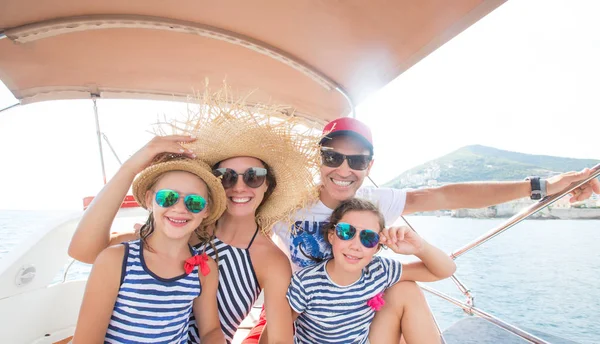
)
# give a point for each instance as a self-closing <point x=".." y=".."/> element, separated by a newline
<point x="480" y="163"/>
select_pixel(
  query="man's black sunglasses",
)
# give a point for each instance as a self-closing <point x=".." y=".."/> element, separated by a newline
<point x="334" y="159"/>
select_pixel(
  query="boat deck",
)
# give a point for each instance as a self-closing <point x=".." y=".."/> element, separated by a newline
<point x="474" y="330"/>
<point x="466" y="331"/>
<point x="471" y="330"/>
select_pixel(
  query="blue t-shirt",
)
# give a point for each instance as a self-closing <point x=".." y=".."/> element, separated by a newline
<point x="330" y="313"/>
<point x="303" y="239"/>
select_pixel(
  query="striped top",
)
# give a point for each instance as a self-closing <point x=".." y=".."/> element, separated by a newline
<point x="238" y="287"/>
<point x="330" y="313"/>
<point x="151" y="309"/>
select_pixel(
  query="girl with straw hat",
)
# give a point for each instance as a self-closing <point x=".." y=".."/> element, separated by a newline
<point x="267" y="166"/>
<point x="125" y="295"/>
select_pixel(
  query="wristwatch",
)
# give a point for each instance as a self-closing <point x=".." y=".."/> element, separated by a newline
<point x="538" y="191"/>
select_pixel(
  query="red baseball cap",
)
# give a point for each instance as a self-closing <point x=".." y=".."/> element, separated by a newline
<point x="348" y="126"/>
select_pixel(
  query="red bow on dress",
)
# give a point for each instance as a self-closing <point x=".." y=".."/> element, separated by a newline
<point x="197" y="260"/>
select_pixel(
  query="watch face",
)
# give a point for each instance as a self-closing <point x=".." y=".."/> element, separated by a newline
<point x="536" y="194"/>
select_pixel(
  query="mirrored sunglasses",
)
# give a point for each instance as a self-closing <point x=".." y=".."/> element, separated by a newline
<point x="334" y="159"/>
<point x="167" y="198"/>
<point x="368" y="238"/>
<point x="253" y="177"/>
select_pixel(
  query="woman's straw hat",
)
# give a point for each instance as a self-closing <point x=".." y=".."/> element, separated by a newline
<point x="167" y="163"/>
<point x="226" y="127"/>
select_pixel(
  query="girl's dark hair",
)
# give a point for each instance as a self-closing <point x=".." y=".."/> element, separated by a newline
<point x="353" y="204"/>
<point x="201" y="232"/>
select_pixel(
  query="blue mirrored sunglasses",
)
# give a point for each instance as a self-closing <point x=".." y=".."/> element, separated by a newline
<point x="168" y="198"/>
<point x="368" y="238"/>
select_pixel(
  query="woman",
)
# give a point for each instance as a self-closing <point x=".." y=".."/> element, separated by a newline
<point x="267" y="168"/>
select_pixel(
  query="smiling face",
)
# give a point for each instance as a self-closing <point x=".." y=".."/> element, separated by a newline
<point x="350" y="255"/>
<point x="243" y="200"/>
<point x="176" y="221"/>
<point x="341" y="183"/>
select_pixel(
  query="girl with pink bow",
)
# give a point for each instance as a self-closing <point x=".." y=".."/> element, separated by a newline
<point x="146" y="290"/>
<point x="335" y="301"/>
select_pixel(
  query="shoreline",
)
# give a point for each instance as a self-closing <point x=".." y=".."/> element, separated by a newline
<point x="504" y="213"/>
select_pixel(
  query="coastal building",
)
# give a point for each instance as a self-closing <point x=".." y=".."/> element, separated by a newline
<point x="596" y="198"/>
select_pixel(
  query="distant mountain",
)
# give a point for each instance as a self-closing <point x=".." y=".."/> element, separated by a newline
<point x="481" y="163"/>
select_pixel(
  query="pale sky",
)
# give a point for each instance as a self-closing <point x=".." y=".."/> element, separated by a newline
<point x="525" y="78"/>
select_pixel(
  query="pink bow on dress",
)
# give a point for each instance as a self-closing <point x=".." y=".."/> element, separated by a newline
<point x="376" y="302"/>
<point x="197" y="260"/>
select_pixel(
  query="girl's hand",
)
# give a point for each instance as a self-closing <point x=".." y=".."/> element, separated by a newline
<point x="402" y="240"/>
<point x="159" y="144"/>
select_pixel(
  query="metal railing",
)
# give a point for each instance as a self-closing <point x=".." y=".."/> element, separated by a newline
<point x="469" y="306"/>
<point x="486" y="316"/>
<point x="525" y="213"/>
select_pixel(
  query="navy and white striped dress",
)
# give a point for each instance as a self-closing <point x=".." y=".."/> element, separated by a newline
<point x="330" y="313"/>
<point x="238" y="287"/>
<point x="151" y="309"/>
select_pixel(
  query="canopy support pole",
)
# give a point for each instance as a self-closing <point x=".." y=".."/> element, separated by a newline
<point x="99" y="136"/>
<point x="10" y="107"/>
<point x="111" y="148"/>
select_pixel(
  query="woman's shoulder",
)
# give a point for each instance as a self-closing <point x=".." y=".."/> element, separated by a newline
<point x="264" y="247"/>
<point x="267" y="256"/>
<point x="213" y="270"/>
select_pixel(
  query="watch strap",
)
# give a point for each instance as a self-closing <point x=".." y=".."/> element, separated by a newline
<point x="544" y="187"/>
<point x="536" y="188"/>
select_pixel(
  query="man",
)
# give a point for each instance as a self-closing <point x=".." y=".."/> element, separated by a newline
<point x="347" y="158"/>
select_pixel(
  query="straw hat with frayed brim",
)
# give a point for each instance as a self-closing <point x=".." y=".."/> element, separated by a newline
<point x="168" y="163"/>
<point x="226" y="127"/>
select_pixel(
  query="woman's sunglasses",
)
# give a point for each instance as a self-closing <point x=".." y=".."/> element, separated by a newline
<point x="168" y="198"/>
<point x="368" y="238"/>
<point x="253" y="177"/>
<point x="330" y="158"/>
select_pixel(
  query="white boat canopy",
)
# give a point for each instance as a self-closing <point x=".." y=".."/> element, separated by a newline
<point x="320" y="57"/>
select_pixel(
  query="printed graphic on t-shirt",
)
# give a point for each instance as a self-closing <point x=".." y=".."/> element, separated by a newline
<point x="307" y="245"/>
<point x="304" y="239"/>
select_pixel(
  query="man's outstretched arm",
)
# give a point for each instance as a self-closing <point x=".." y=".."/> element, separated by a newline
<point x="485" y="194"/>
